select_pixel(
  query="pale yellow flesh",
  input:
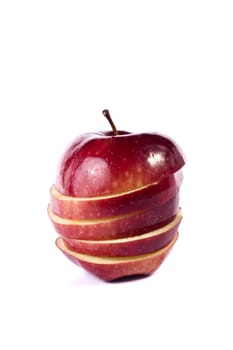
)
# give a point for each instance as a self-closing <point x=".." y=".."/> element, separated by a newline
<point x="111" y="260"/>
<point x="146" y="235"/>
<point x="60" y="220"/>
<point x="63" y="197"/>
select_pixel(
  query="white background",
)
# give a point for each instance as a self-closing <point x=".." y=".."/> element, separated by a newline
<point x="163" y="66"/>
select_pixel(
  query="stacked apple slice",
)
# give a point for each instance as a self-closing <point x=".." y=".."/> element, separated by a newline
<point x="115" y="203"/>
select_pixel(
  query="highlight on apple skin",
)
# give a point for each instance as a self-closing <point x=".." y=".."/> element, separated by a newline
<point x="115" y="201"/>
<point x="103" y="164"/>
<point x="113" y="268"/>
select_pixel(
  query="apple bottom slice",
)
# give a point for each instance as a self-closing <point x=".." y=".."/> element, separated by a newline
<point x="112" y="268"/>
<point x="130" y="246"/>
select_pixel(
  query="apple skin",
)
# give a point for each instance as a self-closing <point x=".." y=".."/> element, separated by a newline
<point x="113" y="268"/>
<point x="108" y="206"/>
<point x="117" y="227"/>
<point x="101" y="164"/>
<point x="136" y="245"/>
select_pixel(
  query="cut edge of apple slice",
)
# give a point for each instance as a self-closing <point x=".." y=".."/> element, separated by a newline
<point x="60" y="220"/>
<point x="176" y="221"/>
<point x="62" y="197"/>
<point x="106" y="260"/>
<point x="64" y="221"/>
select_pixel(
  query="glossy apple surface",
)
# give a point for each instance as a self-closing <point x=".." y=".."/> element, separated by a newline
<point x="112" y="268"/>
<point x="116" y="227"/>
<point x="101" y="164"/>
<point x="136" y="245"/>
<point x="108" y="206"/>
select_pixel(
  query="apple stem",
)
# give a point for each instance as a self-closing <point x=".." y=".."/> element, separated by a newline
<point x="108" y="116"/>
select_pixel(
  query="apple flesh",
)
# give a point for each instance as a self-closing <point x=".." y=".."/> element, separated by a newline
<point x="114" y="205"/>
<point x="113" y="268"/>
<point x="136" y="245"/>
<point x="101" y="164"/>
<point x="127" y="225"/>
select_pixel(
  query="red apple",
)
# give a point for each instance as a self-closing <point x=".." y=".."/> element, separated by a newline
<point x="113" y="205"/>
<point x="116" y="194"/>
<point x="119" y="226"/>
<point x="136" y="245"/>
<point x="107" y="163"/>
<point x="112" y="268"/>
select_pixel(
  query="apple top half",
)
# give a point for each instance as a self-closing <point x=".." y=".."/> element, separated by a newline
<point x="104" y="164"/>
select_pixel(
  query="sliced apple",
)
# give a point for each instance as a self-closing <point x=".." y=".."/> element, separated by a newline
<point x="136" y="245"/>
<point x="116" y="227"/>
<point x="89" y="208"/>
<point x="112" y="268"/>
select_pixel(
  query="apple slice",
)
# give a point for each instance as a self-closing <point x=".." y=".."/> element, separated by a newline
<point x="136" y="245"/>
<point x="105" y="163"/>
<point x="88" y="208"/>
<point x="116" y="227"/>
<point x="112" y="268"/>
